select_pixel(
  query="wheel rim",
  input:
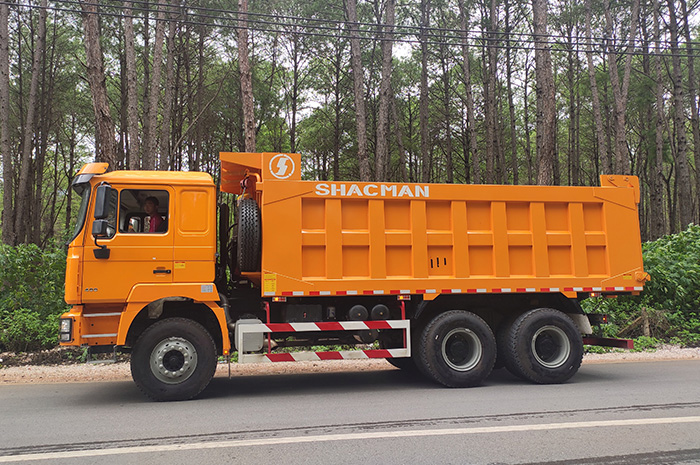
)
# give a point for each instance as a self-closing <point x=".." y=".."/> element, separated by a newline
<point x="551" y="346"/>
<point x="461" y="349"/>
<point x="173" y="360"/>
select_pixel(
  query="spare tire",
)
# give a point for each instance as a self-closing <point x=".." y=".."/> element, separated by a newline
<point x="249" y="235"/>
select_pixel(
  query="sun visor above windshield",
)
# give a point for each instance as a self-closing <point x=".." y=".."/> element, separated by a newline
<point x="267" y="166"/>
<point x="86" y="173"/>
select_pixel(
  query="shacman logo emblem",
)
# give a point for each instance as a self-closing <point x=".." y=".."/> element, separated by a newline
<point x="282" y="166"/>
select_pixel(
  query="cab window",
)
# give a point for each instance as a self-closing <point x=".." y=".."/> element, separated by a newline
<point x="144" y="211"/>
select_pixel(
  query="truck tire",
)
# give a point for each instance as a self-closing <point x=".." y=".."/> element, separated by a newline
<point x="249" y="235"/>
<point x="543" y="346"/>
<point x="501" y="341"/>
<point x="456" y="349"/>
<point x="174" y="359"/>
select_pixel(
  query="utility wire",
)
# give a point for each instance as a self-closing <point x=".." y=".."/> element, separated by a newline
<point x="428" y="32"/>
<point x="402" y="28"/>
<point x="457" y="39"/>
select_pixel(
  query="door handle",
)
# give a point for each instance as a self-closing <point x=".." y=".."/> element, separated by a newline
<point x="159" y="271"/>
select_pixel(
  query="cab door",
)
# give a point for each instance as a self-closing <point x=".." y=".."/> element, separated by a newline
<point x="135" y="255"/>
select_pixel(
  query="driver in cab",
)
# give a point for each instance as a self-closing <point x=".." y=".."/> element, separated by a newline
<point x="150" y="206"/>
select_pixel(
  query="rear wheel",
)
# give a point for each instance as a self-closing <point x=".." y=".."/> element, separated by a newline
<point x="543" y="346"/>
<point x="174" y="359"/>
<point x="502" y="340"/>
<point x="456" y="349"/>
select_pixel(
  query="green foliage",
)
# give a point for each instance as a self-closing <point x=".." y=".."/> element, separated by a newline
<point x="25" y="331"/>
<point x="674" y="265"/>
<point x="670" y="301"/>
<point x="646" y="343"/>
<point x="596" y="349"/>
<point x="31" y="296"/>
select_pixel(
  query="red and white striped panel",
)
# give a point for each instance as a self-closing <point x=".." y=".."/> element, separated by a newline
<point x="320" y="356"/>
<point x="332" y="326"/>
<point x="242" y="329"/>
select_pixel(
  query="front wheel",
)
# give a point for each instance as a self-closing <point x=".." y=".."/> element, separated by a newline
<point x="456" y="349"/>
<point x="174" y="359"/>
<point x="543" y="346"/>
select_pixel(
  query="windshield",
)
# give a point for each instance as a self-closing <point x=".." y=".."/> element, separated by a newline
<point x="82" y="212"/>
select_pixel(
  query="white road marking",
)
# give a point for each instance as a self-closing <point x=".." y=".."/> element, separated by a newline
<point x="344" y="437"/>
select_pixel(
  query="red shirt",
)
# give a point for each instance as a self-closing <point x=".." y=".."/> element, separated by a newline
<point x="156" y="221"/>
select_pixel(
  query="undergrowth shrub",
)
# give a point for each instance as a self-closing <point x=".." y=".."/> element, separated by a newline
<point x="670" y="303"/>
<point x="31" y="296"/>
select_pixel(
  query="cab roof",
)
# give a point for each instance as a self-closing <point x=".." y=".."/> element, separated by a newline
<point x="146" y="177"/>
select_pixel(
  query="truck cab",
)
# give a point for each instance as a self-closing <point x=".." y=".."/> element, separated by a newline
<point x="122" y="275"/>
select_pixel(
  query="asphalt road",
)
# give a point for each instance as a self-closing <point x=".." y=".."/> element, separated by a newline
<point x="618" y="413"/>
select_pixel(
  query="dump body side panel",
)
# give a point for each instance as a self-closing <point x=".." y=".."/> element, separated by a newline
<point x="340" y="238"/>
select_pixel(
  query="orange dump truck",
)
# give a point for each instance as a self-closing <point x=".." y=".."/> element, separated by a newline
<point x="449" y="279"/>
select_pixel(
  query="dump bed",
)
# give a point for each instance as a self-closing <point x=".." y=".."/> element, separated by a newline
<point x="351" y="238"/>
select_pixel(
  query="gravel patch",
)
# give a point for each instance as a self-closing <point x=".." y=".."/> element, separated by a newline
<point x="91" y="372"/>
<point x="665" y="352"/>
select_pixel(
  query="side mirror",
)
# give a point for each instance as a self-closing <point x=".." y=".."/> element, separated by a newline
<point x="99" y="228"/>
<point x="102" y="198"/>
<point x="100" y="231"/>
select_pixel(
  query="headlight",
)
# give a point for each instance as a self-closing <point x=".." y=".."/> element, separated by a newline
<point x="66" y="330"/>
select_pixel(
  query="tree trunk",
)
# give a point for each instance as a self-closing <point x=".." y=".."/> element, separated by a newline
<point x="471" y="120"/>
<point x="424" y="102"/>
<point x="403" y="175"/>
<point x="622" y="160"/>
<point x="695" y="123"/>
<point x="546" y="124"/>
<point x="151" y="117"/>
<point x="381" y="172"/>
<point x="603" y="153"/>
<point x="358" y="89"/>
<point x="511" y="105"/>
<point x="337" y="109"/>
<point x="295" y="93"/>
<point x="44" y="130"/>
<point x="657" y="226"/>
<point x="526" y="123"/>
<point x="24" y="190"/>
<point x="165" y="161"/>
<point x="490" y="56"/>
<point x="447" y="113"/>
<point x="683" y="171"/>
<point x="571" y="72"/>
<point x="8" y="212"/>
<point x="246" y="77"/>
<point x="132" y="115"/>
<point x="104" y="131"/>
<point x="199" y="129"/>
<point x="72" y="145"/>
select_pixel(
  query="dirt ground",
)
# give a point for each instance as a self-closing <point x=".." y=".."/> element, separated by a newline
<point x="61" y="366"/>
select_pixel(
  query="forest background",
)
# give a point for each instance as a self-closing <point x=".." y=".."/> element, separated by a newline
<point x="456" y="91"/>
